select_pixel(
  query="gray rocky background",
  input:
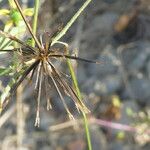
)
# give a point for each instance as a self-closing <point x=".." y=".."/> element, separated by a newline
<point x="123" y="47"/>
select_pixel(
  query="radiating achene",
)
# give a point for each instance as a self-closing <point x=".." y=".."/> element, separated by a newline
<point x="41" y="66"/>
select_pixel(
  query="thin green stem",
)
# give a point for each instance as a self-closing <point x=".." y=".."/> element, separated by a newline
<point x="54" y="40"/>
<point x="35" y="19"/>
<point x="69" y="24"/>
<point x="73" y="76"/>
<point x="86" y="126"/>
<point x="80" y="97"/>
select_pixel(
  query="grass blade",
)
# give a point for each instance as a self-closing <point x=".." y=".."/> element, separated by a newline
<point x="69" y="24"/>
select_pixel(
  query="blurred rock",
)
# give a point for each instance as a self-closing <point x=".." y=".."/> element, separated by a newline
<point x="134" y="58"/>
<point x="140" y="89"/>
<point x="46" y="119"/>
<point x="76" y="145"/>
<point x="109" y="1"/>
<point x="148" y="69"/>
<point x="98" y="34"/>
<point x="108" y="85"/>
<point x="122" y="146"/>
<point x="109" y="63"/>
<point x="125" y="118"/>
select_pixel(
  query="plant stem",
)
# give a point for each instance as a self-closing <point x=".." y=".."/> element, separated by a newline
<point x="69" y="24"/>
<point x="80" y="97"/>
<point x="86" y="126"/>
<point x="54" y="40"/>
<point x="34" y="26"/>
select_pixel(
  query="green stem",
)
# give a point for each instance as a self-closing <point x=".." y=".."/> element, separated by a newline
<point x="80" y="97"/>
<point x="69" y="24"/>
<point x="34" y="27"/>
<point x="86" y="126"/>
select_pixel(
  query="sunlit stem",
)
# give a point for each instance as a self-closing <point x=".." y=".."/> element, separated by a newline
<point x="69" y="24"/>
<point x="80" y="97"/>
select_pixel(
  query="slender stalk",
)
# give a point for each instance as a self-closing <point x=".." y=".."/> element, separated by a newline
<point x="80" y="97"/>
<point x="86" y="125"/>
<point x="54" y="40"/>
<point x="34" y="26"/>
<point x="69" y="24"/>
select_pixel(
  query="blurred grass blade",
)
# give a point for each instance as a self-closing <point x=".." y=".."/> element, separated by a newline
<point x="4" y="12"/>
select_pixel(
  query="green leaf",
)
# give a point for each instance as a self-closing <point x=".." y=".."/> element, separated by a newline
<point x="28" y="12"/>
<point x="29" y="41"/>
<point x="4" y="12"/>
<point x="15" y="16"/>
